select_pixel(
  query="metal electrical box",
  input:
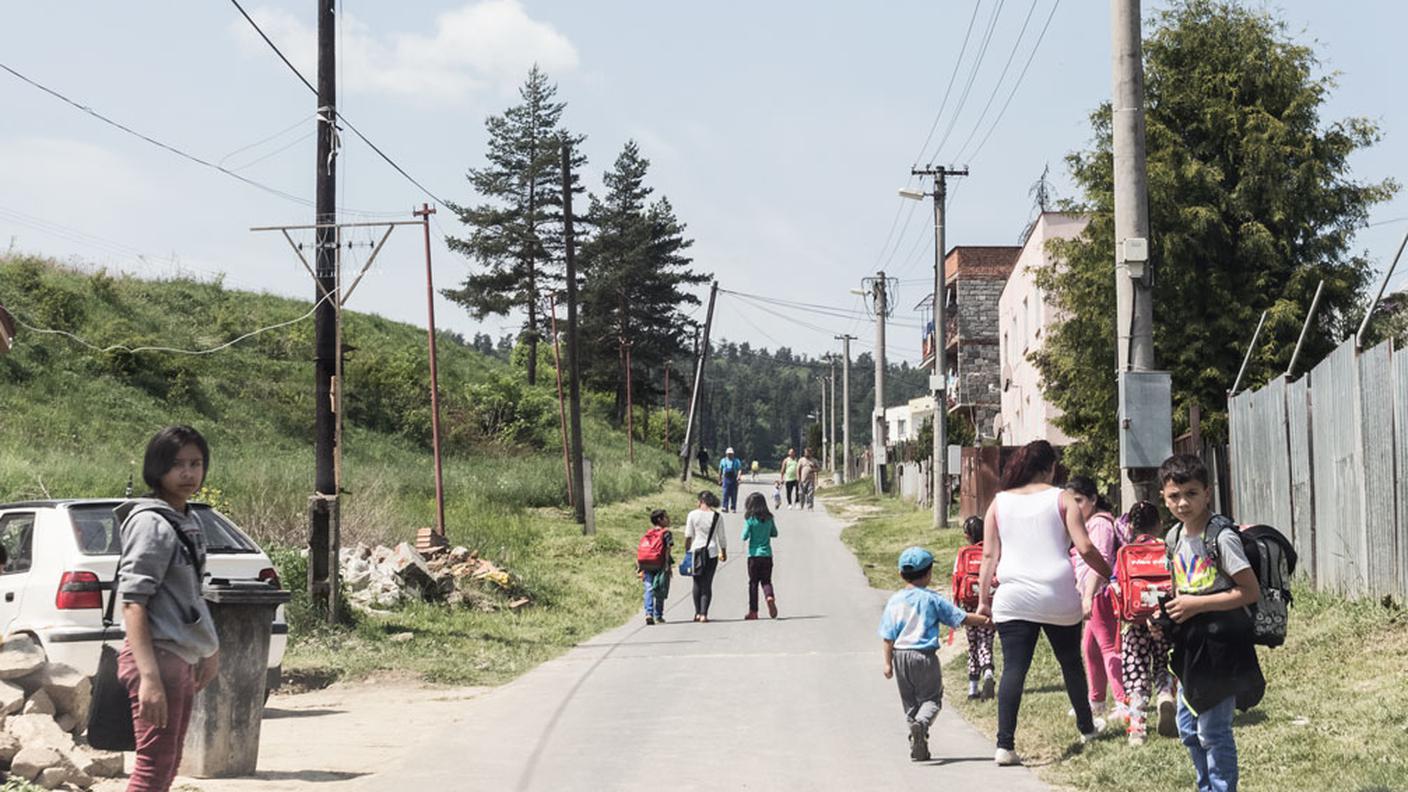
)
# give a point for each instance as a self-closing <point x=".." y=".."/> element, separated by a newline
<point x="1145" y="418"/>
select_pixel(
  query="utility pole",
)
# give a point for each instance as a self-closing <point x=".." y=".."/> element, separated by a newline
<point x="561" y="402"/>
<point x="698" y="380"/>
<point x="1134" y="313"/>
<point x="574" y="370"/>
<point x="667" y="406"/>
<point x="424" y="213"/>
<point x="630" y="406"/>
<point x="831" y="436"/>
<point x="938" y="382"/>
<point x="821" y="418"/>
<point x="878" y="286"/>
<point x="323" y="508"/>
<point x="845" y="406"/>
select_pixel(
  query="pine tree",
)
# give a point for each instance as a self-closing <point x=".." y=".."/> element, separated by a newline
<point x="636" y="274"/>
<point x="516" y="234"/>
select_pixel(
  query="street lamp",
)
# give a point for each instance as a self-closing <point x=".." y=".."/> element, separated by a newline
<point x="913" y="195"/>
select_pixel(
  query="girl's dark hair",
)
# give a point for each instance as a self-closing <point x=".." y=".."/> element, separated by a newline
<point x="658" y="516"/>
<point x="1143" y="518"/>
<point x="973" y="529"/>
<point x="709" y="499"/>
<point x="1085" y="486"/>
<point x="1030" y="461"/>
<point x="756" y="508"/>
<point x="162" y="451"/>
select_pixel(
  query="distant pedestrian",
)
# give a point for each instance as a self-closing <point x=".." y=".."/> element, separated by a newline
<point x="777" y="494"/>
<point x="709" y="543"/>
<point x="171" y="652"/>
<point x="703" y="457"/>
<point x="759" y="529"/>
<point x="980" y="638"/>
<point x="653" y="565"/>
<point x="1100" y="643"/>
<point x="1026" y="533"/>
<point x="789" y="478"/>
<point x="909" y="629"/>
<point x="806" y="480"/>
<point x="730" y="471"/>
<point x="753" y="476"/>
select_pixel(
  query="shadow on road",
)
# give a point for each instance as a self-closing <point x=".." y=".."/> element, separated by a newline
<point x="273" y="713"/>
<point x="311" y="776"/>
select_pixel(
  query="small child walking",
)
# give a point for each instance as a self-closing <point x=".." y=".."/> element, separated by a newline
<point x="777" y="494"/>
<point x="653" y="564"/>
<point x="759" y="528"/>
<point x="980" y="638"/>
<point x="909" y="629"/>
<point x="1144" y="648"/>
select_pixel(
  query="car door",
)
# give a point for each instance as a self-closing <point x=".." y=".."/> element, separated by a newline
<point x="17" y="539"/>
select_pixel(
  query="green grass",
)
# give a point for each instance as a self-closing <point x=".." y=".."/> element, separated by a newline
<point x="1335" y="716"/>
<point x="580" y="585"/>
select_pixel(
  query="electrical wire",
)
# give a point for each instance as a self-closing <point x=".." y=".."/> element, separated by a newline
<point x="268" y="139"/>
<point x="1030" y="57"/>
<point x="952" y="76"/>
<point x="997" y="85"/>
<point x="824" y="310"/>
<point x="171" y="350"/>
<point x="972" y="77"/>
<point x="340" y="116"/>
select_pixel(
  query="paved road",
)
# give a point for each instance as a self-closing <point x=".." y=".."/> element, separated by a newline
<point x="796" y="703"/>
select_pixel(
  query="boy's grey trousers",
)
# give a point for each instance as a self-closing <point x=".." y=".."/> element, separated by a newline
<point x="921" y="682"/>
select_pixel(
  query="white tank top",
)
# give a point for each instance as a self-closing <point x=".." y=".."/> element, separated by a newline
<point x="1036" y="582"/>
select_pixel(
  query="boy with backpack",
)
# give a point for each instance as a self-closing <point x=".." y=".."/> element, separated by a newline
<point x="967" y="568"/>
<point x="653" y="564"/>
<point x="1141" y="579"/>
<point x="1212" y="629"/>
<point x="910" y="631"/>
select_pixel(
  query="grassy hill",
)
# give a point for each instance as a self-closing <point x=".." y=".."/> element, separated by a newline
<point x="74" y="420"/>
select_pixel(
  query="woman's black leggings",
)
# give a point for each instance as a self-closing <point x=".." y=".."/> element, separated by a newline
<point x="791" y="491"/>
<point x="1018" y="645"/>
<point x="704" y="585"/>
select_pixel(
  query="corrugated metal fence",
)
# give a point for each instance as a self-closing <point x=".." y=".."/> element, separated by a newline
<point x="1317" y="458"/>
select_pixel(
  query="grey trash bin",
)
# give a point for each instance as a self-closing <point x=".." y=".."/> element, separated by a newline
<point x="223" y="739"/>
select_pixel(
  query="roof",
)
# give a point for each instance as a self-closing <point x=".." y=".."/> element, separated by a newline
<point x="981" y="261"/>
<point x="57" y="503"/>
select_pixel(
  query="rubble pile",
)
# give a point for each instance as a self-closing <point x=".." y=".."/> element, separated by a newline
<point x="377" y="578"/>
<point x="44" y="709"/>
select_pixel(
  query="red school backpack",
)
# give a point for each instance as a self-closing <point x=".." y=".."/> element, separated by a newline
<point x="967" y="571"/>
<point x="1142" y="577"/>
<point x="650" y="553"/>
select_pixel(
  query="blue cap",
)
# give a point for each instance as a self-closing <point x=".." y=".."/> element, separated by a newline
<point x="916" y="559"/>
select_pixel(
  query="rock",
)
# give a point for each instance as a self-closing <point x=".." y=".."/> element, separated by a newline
<point x="459" y="555"/>
<point x="70" y="690"/>
<point x="68" y="722"/>
<point x="454" y="599"/>
<point x="403" y="637"/>
<point x="20" y="656"/>
<point x="380" y="555"/>
<point x="39" y="731"/>
<point x="11" y="698"/>
<point x="362" y="551"/>
<point x="30" y="762"/>
<point x="444" y="583"/>
<point x="40" y="704"/>
<point x="64" y="775"/>
<point x="356" y="574"/>
<point x="410" y="567"/>
<point x="9" y="746"/>
<point x="99" y="764"/>
<point x="518" y="603"/>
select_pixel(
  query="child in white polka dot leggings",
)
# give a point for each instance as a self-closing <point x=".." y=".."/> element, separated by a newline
<point x="1144" y="650"/>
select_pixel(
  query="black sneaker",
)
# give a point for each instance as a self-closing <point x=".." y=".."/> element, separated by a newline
<point x="649" y="620"/>
<point x="918" y="742"/>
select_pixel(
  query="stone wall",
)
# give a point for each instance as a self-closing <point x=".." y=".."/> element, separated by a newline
<point x="979" y="349"/>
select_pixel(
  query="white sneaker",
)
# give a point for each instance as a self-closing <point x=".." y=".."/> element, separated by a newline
<point x="1092" y="736"/>
<point x="1006" y="758"/>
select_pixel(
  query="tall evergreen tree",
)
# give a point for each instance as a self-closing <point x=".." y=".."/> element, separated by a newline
<point x="516" y="234"/>
<point x="1251" y="204"/>
<point x="637" y="274"/>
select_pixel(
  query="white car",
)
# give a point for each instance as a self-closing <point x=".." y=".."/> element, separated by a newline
<point x="61" y="557"/>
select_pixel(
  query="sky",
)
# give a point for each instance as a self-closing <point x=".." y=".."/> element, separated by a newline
<point x="780" y="132"/>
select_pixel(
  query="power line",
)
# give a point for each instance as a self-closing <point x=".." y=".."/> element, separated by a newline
<point x="997" y="85"/>
<point x="972" y="77"/>
<point x="340" y="116"/>
<point x="952" y="76"/>
<point x="1032" y="56"/>
<point x="825" y="310"/>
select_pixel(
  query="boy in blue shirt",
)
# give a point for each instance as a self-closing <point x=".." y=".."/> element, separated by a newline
<point x="910" y="630"/>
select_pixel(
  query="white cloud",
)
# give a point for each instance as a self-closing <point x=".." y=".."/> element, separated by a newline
<point x="487" y="45"/>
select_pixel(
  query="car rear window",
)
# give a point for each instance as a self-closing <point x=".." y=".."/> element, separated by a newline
<point x="96" y="530"/>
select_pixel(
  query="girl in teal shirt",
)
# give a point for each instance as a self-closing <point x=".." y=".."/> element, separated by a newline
<point x="758" y="531"/>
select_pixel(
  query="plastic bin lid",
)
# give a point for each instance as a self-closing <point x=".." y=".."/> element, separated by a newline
<point x="244" y="592"/>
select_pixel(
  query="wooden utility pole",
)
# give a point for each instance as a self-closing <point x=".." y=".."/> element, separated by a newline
<point x="878" y="286"/>
<point x="561" y="402"/>
<point x="698" y="381"/>
<point x="831" y="436"/>
<point x="322" y="561"/>
<point x="845" y="406"/>
<point x="574" y="369"/>
<point x="630" y="404"/>
<point x="667" y="406"/>
<point x="424" y="213"/>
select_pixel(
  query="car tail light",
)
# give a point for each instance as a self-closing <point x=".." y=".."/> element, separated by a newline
<point x="268" y="575"/>
<point x="79" y="591"/>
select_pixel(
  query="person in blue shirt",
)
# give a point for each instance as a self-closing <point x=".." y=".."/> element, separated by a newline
<point x="910" y="631"/>
<point x="730" y="469"/>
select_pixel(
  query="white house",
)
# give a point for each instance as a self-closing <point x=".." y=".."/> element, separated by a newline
<point x="904" y="422"/>
<point x="1023" y="316"/>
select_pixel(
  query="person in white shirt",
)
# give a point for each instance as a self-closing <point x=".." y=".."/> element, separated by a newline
<point x="706" y="538"/>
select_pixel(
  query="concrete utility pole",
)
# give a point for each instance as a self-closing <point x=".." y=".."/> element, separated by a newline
<point x="845" y="406"/>
<point x="821" y="418"/>
<point x="574" y="368"/>
<point x="702" y="356"/>
<point x="424" y="213"/>
<point x="1134" y="313"/>
<point x="831" y="436"/>
<point x="323" y="511"/>
<point x="877" y="432"/>
<point x="938" y="383"/>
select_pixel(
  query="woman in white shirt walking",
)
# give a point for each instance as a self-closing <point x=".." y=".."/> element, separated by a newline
<point x="1027" y="533"/>
<point x="706" y="538"/>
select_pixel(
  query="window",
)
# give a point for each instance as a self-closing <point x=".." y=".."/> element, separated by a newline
<point x="17" y="539"/>
<point x="95" y="529"/>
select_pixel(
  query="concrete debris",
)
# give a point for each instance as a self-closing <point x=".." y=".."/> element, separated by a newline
<point x="378" y="578"/>
<point x="39" y="744"/>
<point x="20" y="656"/>
<point x="40" y="704"/>
<point x="11" y="698"/>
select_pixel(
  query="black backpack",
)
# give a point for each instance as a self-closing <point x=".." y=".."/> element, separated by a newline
<point x="1273" y="560"/>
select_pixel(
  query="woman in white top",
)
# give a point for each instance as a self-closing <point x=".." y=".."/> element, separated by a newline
<point x="1027" y="533"/>
<point x="706" y="538"/>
